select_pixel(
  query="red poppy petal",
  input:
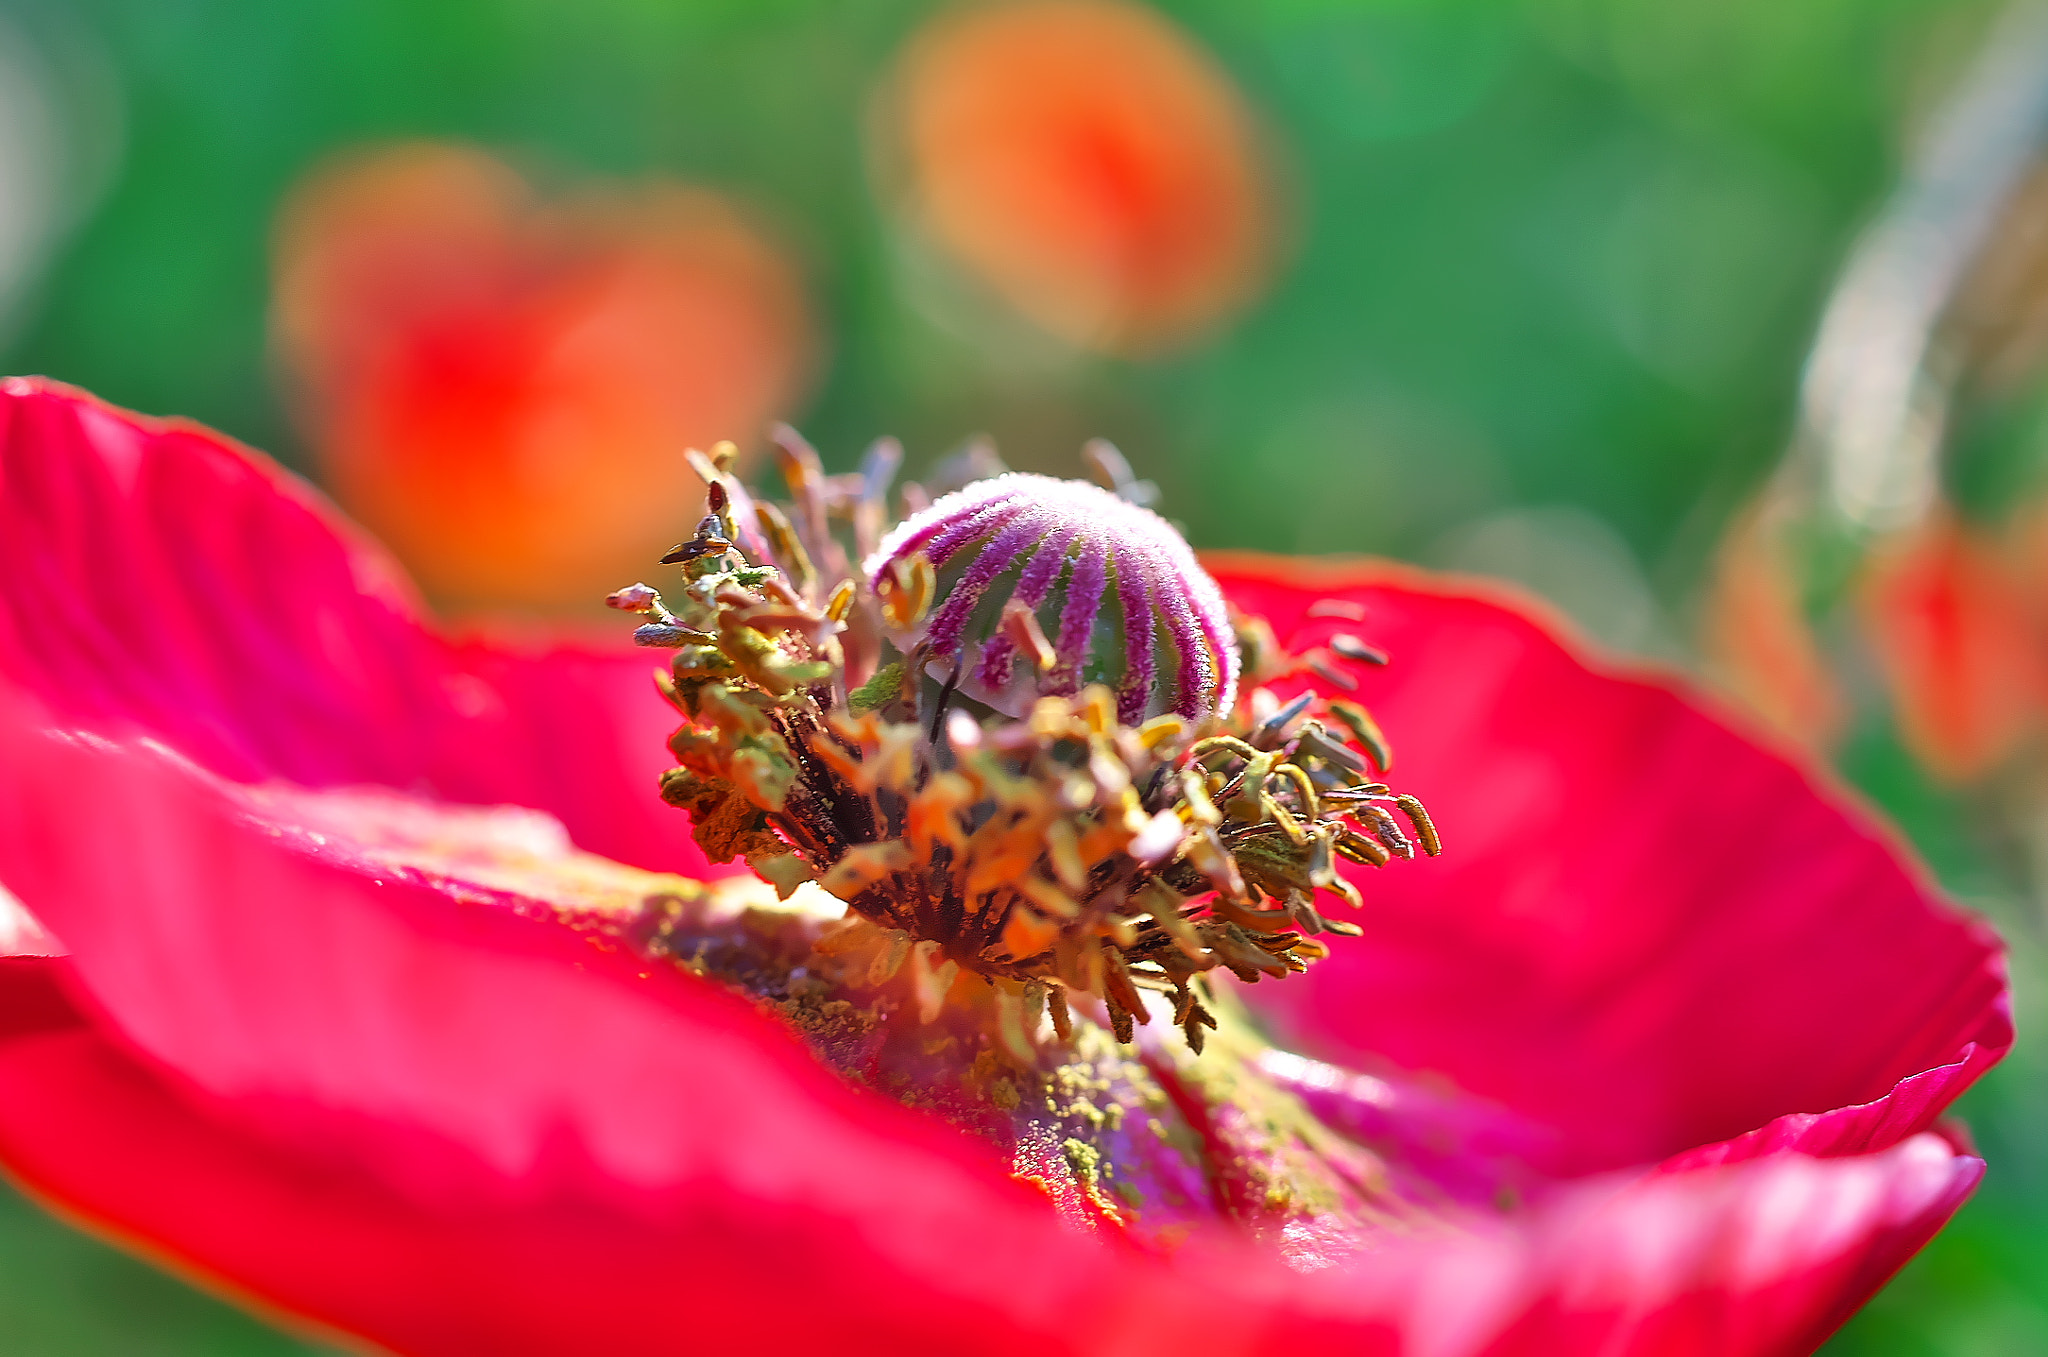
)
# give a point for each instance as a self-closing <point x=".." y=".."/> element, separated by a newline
<point x="461" y="1067"/>
<point x="163" y="580"/>
<point x="700" y="1268"/>
<point x="1769" y="1256"/>
<point x="1645" y="930"/>
<point x="21" y="933"/>
<point x="1761" y="1257"/>
<point x="31" y="999"/>
<point x="1766" y="1257"/>
<point x="159" y="577"/>
<point x="575" y="730"/>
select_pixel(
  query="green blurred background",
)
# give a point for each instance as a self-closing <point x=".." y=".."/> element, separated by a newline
<point x="1554" y="266"/>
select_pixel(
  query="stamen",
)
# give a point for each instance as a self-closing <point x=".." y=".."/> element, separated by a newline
<point x="1351" y="648"/>
<point x="1332" y="675"/>
<point x="1065" y="818"/>
<point x="1366" y="731"/>
<point x="1424" y="830"/>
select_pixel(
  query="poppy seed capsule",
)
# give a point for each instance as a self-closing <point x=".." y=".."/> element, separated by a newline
<point x="1045" y="585"/>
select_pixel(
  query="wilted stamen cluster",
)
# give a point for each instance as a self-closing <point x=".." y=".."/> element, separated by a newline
<point x="1103" y="842"/>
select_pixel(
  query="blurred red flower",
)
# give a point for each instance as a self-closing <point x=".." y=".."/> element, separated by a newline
<point x="329" y="1034"/>
<point x="1948" y="613"/>
<point x="480" y="371"/>
<point x="1088" y="162"/>
<point x="1947" y="608"/>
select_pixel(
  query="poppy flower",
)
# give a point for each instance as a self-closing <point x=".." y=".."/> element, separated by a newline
<point x="1947" y="612"/>
<point x="472" y="363"/>
<point x="1088" y="162"/>
<point x="360" y="1015"/>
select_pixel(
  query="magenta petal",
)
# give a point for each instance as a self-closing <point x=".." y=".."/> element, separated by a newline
<point x="1769" y="1256"/>
<point x="21" y="933"/>
<point x="574" y="730"/>
<point x="1645" y="931"/>
<point x="161" y="580"/>
<point x="1748" y="1260"/>
<point x="698" y="1268"/>
<point x="32" y="999"/>
<point x="477" y="1060"/>
<point x="159" y="577"/>
<point x="1764" y="1257"/>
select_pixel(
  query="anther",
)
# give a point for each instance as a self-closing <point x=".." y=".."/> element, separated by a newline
<point x="1332" y="675"/>
<point x="1366" y="731"/>
<point x="1273" y="729"/>
<point x="1351" y="648"/>
<point x="1424" y="828"/>
<point x="634" y="598"/>
<point x="1020" y="627"/>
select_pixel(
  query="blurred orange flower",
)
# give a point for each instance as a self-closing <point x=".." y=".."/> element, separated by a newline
<point x="1951" y="623"/>
<point x="1089" y="162"/>
<point x="502" y="388"/>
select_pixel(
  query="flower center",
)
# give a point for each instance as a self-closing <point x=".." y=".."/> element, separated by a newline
<point x="1023" y="822"/>
<point x="1147" y="1139"/>
<point x="1020" y="558"/>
